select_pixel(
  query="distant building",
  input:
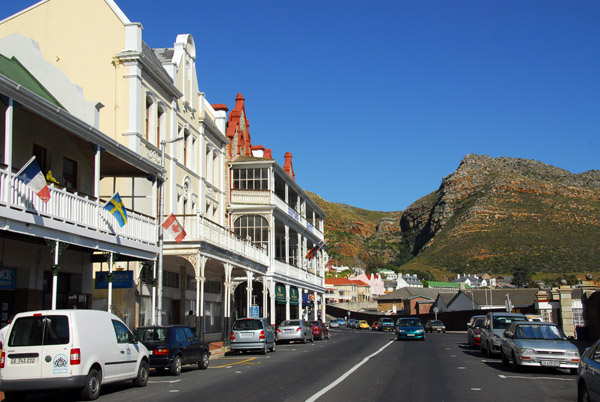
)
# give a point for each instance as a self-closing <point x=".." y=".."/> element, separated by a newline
<point x="410" y="301"/>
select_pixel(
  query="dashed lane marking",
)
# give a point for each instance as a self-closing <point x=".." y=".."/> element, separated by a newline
<point x="535" y="378"/>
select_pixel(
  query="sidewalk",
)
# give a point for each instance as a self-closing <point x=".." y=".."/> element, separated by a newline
<point x="217" y="349"/>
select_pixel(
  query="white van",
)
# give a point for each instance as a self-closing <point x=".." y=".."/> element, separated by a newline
<point x="58" y="349"/>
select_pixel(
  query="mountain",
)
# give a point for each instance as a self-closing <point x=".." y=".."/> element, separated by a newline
<point x="491" y="215"/>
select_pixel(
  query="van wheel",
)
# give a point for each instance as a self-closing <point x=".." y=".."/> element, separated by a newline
<point x="175" y="368"/>
<point x="91" y="389"/>
<point x="142" y="376"/>
<point x="14" y="396"/>
<point x="203" y="363"/>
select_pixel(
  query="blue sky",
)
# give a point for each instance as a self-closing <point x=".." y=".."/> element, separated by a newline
<point x="378" y="102"/>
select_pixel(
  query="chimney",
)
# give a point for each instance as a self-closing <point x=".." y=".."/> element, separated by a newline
<point x="287" y="166"/>
<point x="221" y="116"/>
<point x="268" y="154"/>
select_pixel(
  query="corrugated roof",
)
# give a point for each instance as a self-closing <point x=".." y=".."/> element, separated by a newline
<point x="14" y="70"/>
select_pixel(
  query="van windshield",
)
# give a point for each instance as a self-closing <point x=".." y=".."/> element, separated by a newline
<point x="39" y="331"/>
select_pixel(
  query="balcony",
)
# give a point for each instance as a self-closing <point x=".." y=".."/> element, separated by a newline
<point x="279" y="203"/>
<point x="291" y="272"/>
<point x="74" y="218"/>
<point x="199" y="229"/>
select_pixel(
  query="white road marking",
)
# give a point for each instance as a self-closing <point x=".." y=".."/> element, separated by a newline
<point x="158" y="381"/>
<point x="460" y="368"/>
<point x="238" y="372"/>
<point x="475" y="389"/>
<point x="173" y="390"/>
<point x="346" y="374"/>
<point x="535" y="378"/>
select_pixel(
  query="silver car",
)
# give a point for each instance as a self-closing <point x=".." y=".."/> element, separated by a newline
<point x="539" y="344"/>
<point x="492" y="329"/>
<point x="294" y="330"/>
<point x="252" y="334"/>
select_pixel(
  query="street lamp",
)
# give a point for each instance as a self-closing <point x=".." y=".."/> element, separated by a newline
<point x="159" y="282"/>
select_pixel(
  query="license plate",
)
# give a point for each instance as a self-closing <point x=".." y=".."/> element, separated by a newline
<point x="410" y="334"/>
<point x="246" y="335"/>
<point x="23" y="360"/>
<point x="551" y="363"/>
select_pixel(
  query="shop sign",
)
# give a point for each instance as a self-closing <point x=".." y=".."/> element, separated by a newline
<point x="7" y="278"/>
<point x="121" y="280"/>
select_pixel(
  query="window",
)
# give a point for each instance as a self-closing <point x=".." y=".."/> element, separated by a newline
<point x="213" y="287"/>
<point x="70" y="173"/>
<point x="122" y="333"/>
<point x="578" y="317"/>
<point x="40" y="330"/>
<point x="40" y="157"/>
<point x="171" y="279"/>
<point x="251" y="179"/>
<point x="253" y="227"/>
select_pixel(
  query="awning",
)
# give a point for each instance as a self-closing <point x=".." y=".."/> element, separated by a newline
<point x="294" y="301"/>
<point x="279" y="293"/>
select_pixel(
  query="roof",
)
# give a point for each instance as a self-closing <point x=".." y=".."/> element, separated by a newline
<point x="14" y="70"/>
<point x="338" y="281"/>
<point x="446" y="297"/>
<point x="518" y="297"/>
<point x="410" y="293"/>
<point x="435" y="284"/>
<point x="164" y="55"/>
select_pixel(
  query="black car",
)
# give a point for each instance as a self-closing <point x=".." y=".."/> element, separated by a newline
<point x="172" y="346"/>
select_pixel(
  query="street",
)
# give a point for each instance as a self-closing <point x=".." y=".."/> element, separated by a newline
<point x="352" y="365"/>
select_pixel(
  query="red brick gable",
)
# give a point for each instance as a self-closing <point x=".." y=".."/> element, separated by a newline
<point x="238" y="130"/>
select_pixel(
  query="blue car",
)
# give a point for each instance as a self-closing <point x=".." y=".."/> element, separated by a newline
<point x="341" y="321"/>
<point x="410" y="328"/>
<point x="588" y="380"/>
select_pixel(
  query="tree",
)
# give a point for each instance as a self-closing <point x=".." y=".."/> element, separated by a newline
<point x="521" y="277"/>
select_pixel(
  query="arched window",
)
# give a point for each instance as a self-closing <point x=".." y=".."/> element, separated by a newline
<point x="254" y="227"/>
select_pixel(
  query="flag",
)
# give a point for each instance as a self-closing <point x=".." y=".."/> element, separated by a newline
<point x="173" y="228"/>
<point x="311" y="253"/>
<point x="115" y="206"/>
<point x="32" y="175"/>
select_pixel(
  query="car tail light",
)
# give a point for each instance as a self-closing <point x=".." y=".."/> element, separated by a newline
<point x="478" y="336"/>
<point x="525" y="358"/>
<point x="2" y="360"/>
<point x="75" y="356"/>
<point x="278" y="330"/>
<point x="573" y="360"/>
<point x="161" y="352"/>
<point x="262" y="335"/>
<point x="298" y="329"/>
<point x="232" y="336"/>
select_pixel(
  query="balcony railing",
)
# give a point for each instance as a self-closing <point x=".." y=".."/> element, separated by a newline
<point x="80" y="210"/>
<point x="279" y="203"/>
<point x="197" y="228"/>
<point x="293" y="272"/>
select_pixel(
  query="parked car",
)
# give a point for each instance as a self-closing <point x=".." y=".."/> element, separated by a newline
<point x="252" y="334"/>
<point x="363" y="324"/>
<point x="492" y="329"/>
<point x="474" y="333"/>
<point x="410" y="328"/>
<point x="341" y="321"/>
<point x="352" y="323"/>
<point x="295" y="330"/>
<point x="385" y="324"/>
<point x="540" y="344"/>
<point x="319" y="330"/>
<point x="375" y="326"/>
<point x="434" y="325"/>
<point x="80" y="349"/>
<point x="588" y="378"/>
<point x="334" y="323"/>
<point x="472" y="320"/>
<point x="173" y="346"/>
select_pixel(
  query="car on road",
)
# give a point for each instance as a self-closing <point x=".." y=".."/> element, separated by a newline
<point x="472" y="320"/>
<point x="588" y="377"/>
<point x="319" y="330"/>
<point x="539" y="344"/>
<point x="492" y="329"/>
<point x="173" y="346"/>
<point x="341" y="321"/>
<point x="474" y="333"/>
<point x="334" y="323"/>
<point x="252" y="335"/>
<point x="375" y="325"/>
<point x="363" y="324"/>
<point x="76" y="349"/>
<point x="410" y="328"/>
<point x="385" y="324"/>
<point x="295" y="330"/>
<point x="434" y="325"/>
<point x="352" y="323"/>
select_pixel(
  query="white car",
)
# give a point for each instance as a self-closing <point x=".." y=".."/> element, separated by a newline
<point x="58" y="349"/>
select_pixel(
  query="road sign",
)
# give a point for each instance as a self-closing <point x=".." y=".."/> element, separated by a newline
<point x="254" y="311"/>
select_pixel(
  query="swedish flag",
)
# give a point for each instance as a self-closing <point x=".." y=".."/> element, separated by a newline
<point x="115" y="206"/>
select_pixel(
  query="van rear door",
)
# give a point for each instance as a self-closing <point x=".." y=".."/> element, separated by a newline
<point x="56" y="348"/>
<point x="23" y="355"/>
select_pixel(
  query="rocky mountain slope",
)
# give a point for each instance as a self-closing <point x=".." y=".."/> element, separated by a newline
<point x="491" y="214"/>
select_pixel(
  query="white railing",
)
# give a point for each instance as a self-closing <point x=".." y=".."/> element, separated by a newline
<point x="76" y="209"/>
<point x="197" y="228"/>
<point x="299" y="274"/>
<point x="250" y="197"/>
<point x="279" y="203"/>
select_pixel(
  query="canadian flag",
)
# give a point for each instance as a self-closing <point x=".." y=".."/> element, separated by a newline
<point x="172" y="226"/>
